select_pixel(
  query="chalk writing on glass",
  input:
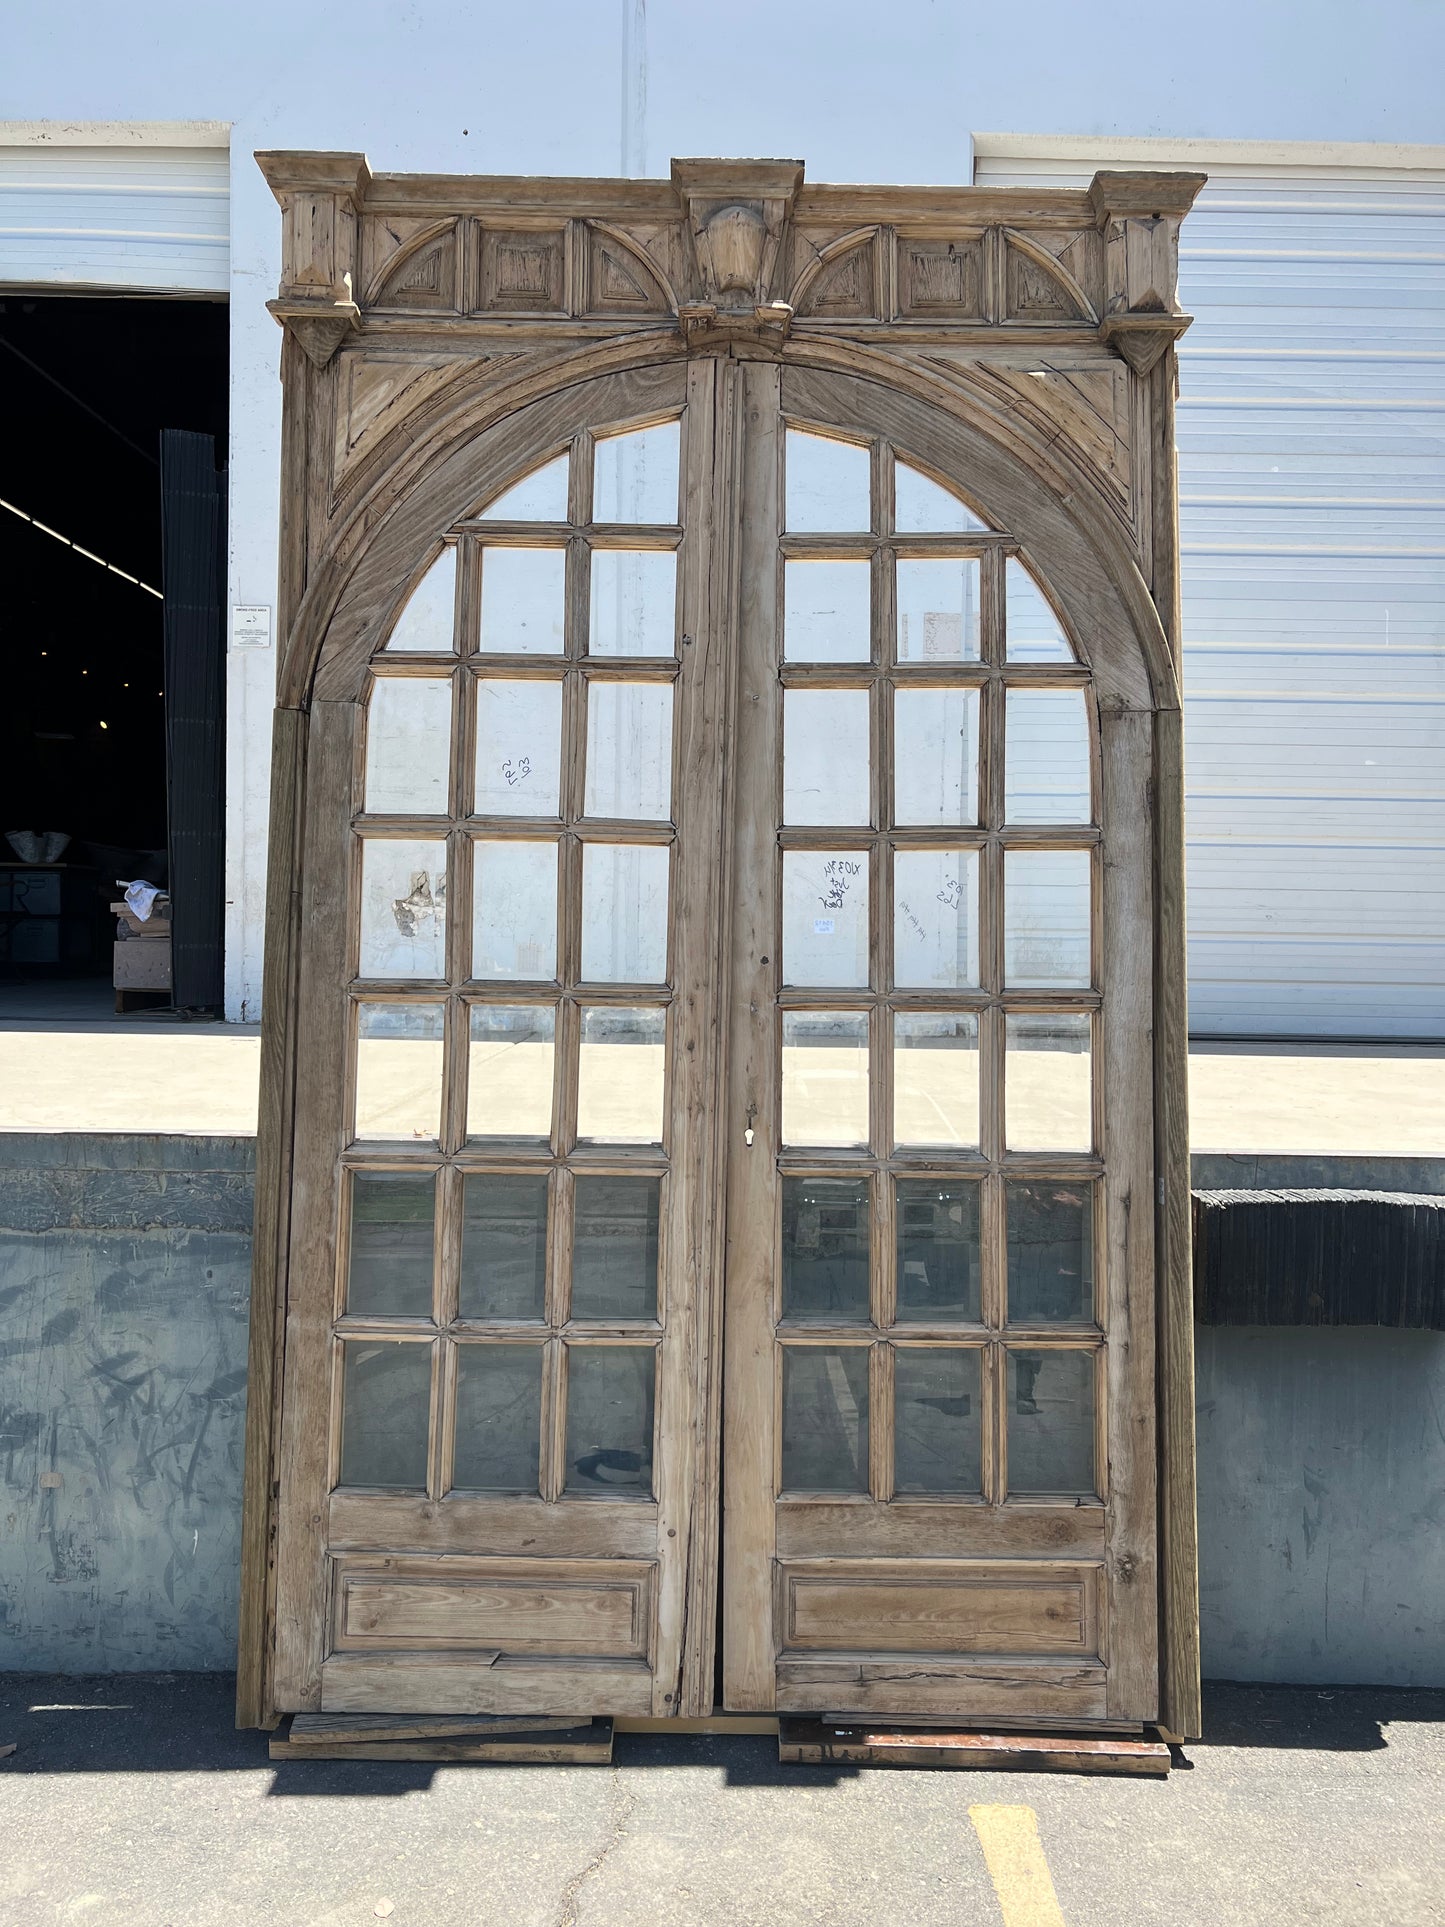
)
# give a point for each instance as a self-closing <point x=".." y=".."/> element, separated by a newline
<point x="516" y="770"/>
<point x="913" y="923"/>
<point x="838" y="878"/>
<point x="952" y="892"/>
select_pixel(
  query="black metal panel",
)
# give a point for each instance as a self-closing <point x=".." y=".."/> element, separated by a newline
<point x="193" y="577"/>
<point x="1319" y="1258"/>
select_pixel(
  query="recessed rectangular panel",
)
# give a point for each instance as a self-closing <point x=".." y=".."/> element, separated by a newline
<point x="825" y="918"/>
<point x="390" y="1257"/>
<point x="511" y="1049"/>
<point x="408" y="746"/>
<point x="634" y="603"/>
<point x="1046" y="757"/>
<point x="827" y="611"/>
<point x="940" y="1258"/>
<point x="1049" y="1420"/>
<point x="629" y="750"/>
<point x="524" y="601"/>
<point x="826" y="756"/>
<point x="1050" y="1252"/>
<point x="937" y="1420"/>
<point x="1048" y="1084"/>
<point x="825" y="1253"/>
<point x="1047" y="919"/>
<point x="825" y="1077"/>
<point x="583" y="1608"/>
<point x="624" y="913"/>
<point x="403" y="907"/>
<point x="935" y="1078"/>
<point x="614" y="1247"/>
<point x="498" y="1422"/>
<point x="519" y="748"/>
<point x="635" y="478"/>
<point x="504" y="1246"/>
<point x="938" y="609"/>
<point x="620" y="1078"/>
<point x="610" y="1400"/>
<point x="385" y="1413"/>
<point x="399" y="1071"/>
<point x="946" y="1606"/>
<point x="825" y="1418"/>
<point x="935" y="919"/>
<point x="827" y="484"/>
<point x="514" y="910"/>
<point x="935" y="756"/>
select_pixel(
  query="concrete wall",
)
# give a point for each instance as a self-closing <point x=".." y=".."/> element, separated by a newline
<point x="124" y="1268"/>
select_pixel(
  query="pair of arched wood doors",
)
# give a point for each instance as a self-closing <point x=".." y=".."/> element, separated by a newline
<point x="717" y="1230"/>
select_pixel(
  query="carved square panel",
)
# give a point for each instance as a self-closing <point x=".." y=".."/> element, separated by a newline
<point x="523" y="270"/>
<point x="844" y="287"/>
<point x="942" y="277"/>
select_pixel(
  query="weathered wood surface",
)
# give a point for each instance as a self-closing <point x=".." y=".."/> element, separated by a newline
<point x="814" y="1743"/>
<point x="526" y="1741"/>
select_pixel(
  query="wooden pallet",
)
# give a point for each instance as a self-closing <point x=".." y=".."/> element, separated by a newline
<point x="812" y="1743"/>
<point x="505" y="1738"/>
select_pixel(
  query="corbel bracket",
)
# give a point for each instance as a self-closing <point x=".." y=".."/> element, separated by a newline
<point x="1139" y="216"/>
<point x="737" y="214"/>
<point x="321" y="196"/>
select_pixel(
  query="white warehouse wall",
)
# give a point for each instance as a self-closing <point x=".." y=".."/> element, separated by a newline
<point x="858" y="91"/>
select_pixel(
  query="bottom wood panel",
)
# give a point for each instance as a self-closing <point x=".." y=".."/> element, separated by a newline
<point x="963" y="1689"/>
<point x="434" y="1683"/>
<point x="812" y="1743"/>
<point x="552" y="1742"/>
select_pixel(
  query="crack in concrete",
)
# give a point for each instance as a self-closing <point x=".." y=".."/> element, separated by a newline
<point x="624" y="1805"/>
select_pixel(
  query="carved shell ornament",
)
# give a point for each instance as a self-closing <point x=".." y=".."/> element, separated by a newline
<point x="730" y="249"/>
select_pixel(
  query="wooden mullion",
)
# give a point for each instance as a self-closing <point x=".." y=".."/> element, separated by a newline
<point x="440" y="1361"/>
<point x="445" y="1423"/>
<point x="552" y="1470"/>
<point x="880" y="1421"/>
<point x="995" y="1388"/>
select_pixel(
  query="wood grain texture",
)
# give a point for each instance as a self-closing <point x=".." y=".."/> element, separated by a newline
<point x="821" y="1743"/>
<point x="405" y="1683"/>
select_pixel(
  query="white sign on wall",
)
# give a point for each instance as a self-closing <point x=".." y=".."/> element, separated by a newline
<point x="251" y="626"/>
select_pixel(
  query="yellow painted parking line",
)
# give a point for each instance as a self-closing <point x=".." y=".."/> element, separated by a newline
<point x="1011" y="1846"/>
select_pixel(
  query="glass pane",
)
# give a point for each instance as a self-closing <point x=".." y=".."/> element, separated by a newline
<point x="825" y="1250"/>
<point x="634" y="603"/>
<point x="935" y="756"/>
<point x="825" y="1077"/>
<point x="409" y="745"/>
<point x="825" y="756"/>
<point x="624" y="913"/>
<point x="921" y="507"/>
<point x="935" y="1078"/>
<point x="938" y="602"/>
<point x="614" y="1247"/>
<point x="610" y="1392"/>
<point x="827" y="484"/>
<point x="504" y="1246"/>
<point x="519" y="748"/>
<point x="509" y="1070"/>
<point x="523" y="601"/>
<point x="825" y="1418"/>
<point x="1051" y="1422"/>
<point x="619" y="1082"/>
<point x="427" y="622"/>
<point x="538" y="497"/>
<point x="935" y="919"/>
<point x="1047" y="1083"/>
<point x="937" y="1429"/>
<point x="403" y="907"/>
<point x="629" y="750"/>
<point x="1046" y="757"/>
<point x="1050" y="1253"/>
<point x="1032" y="630"/>
<point x="939" y="1262"/>
<point x="514" y="910"/>
<point x="389" y="1269"/>
<point x="825" y="917"/>
<point x="399" y="1071"/>
<point x="385" y="1413"/>
<point x="827" y="611"/>
<point x="1046" y="919"/>
<point x="635" y="479"/>
<point x="498" y="1418"/>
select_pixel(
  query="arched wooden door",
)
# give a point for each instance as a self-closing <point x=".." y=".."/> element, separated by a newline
<point x="717" y="1188"/>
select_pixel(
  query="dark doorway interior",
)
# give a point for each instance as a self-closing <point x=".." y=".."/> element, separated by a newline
<point x="86" y="387"/>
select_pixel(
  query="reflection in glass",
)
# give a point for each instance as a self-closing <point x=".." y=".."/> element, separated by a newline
<point x="635" y="479"/>
<point x="634" y="603"/>
<point x="427" y="623"/>
<point x="538" y="497"/>
<point x="509" y="1070"/>
<point x="1050" y="1417"/>
<point x="921" y="507"/>
<point x="624" y="913"/>
<point x="827" y="611"/>
<point x="514" y="910"/>
<point x="519" y="748"/>
<point x="389" y="1269"/>
<point x="938" y="610"/>
<point x="935" y="919"/>
<point x="1032" y="630"/>
<point x="614" y="1247"/>
<point x="619" y="1083"/>
<point x="1046" y="919"/>
<point x="523" y="601"/>
<point x="403" y="907"/>
<point x="385" y="1413"/>
<point x="937" y="1414"/>
<point x="498" y="1418"/>
<point x="939" y="1261"/>
<point x="827" y="484"/>
<point x="610" y="1394"/>
<point x="1046" y="756"/>
<point x="1050" y="1253"/>
<point x="935" y="1078"/>
<point x="826" y="756"/>
<point x="825" y="917"/>
<point x="825" y="1418"/>
<point x="504" y="1246"/>
<point x="935" y="756"/>
<point x="629" y="750"/>
<point x="825" y="1077"/>
<point x="825" y="1250"/>
<point x="399" y="1071"/>
<point x="1047" y="1082"/>
<point x="408" y="745"/>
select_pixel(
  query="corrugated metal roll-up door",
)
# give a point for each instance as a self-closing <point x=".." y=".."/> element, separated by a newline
<point x="1312" y="502"/>
<point x="146" y="219"/>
